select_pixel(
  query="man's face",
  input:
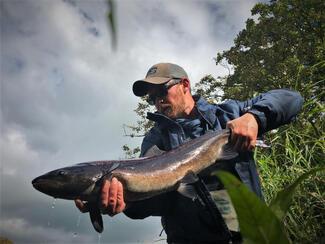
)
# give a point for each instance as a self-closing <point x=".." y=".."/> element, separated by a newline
<point x="173" y="104"/>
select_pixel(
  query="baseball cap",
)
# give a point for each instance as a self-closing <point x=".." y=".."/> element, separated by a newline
<point x="158" y="74"/>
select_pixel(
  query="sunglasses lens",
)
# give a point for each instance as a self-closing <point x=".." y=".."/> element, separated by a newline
<point x="152" y="98"/>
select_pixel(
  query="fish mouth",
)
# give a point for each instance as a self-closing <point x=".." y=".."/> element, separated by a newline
<point x="41" y="184"/>
<point x="58" y="189"/>
<point x="47" y="186"/>
<point x="37" y="182"/>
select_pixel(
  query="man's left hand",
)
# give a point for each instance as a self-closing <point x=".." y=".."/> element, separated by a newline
<point x="243" y="132"/>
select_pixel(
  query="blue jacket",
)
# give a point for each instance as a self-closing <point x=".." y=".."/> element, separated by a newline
<point x="185" y="220"/>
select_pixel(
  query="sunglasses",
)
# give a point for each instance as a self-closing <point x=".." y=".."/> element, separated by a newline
<point x="163" y="91"/>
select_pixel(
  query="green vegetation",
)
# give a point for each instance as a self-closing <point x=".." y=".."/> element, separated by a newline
<point x="258" y="222"/>
<point x="111" y="22"/>
<point x="4" y="240"/>
<point x="282" y="48"/>
<point x="285" y="48"/>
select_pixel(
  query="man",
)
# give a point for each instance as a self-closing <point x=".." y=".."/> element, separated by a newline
<point x="181" y="117"/>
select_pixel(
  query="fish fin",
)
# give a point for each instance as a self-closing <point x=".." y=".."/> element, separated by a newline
<point x="107" y="175"/>
<point x="187" y="191"/>
<point x="114" y="166"/>
<point x="153" y="151"/>
<point x="96" y="218"/>
<point x="189" y="178"/>
<point x="227" y="152"/>
<point x="186" y="188"/>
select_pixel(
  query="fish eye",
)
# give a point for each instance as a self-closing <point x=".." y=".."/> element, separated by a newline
<point x="62" y="172"/>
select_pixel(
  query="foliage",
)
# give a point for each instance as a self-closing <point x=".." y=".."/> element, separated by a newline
<point x="295" y="149"/>
<point x="130" y="153"/>
<point x="285" y="48"/>
<point x="111" y="21"/>
<point x="258" y="222"/>
<point x="287" y="39"/>
<point x="4" y="240"/>
<point x="142" y="126"/>
<point x="282" y="201"/>
<point x="210" y="88"/>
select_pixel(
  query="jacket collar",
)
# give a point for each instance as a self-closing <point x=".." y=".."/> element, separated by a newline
<point x="206" y="110"/>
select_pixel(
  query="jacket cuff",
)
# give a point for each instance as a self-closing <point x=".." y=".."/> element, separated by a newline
<point x="260" y="118"/>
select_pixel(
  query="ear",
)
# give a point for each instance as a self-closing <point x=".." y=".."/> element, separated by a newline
<point x="186" y="85"/>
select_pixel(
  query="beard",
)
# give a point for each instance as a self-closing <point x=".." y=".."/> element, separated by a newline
<point x="175" y="111"/>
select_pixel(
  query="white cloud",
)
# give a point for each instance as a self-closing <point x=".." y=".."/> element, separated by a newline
<point x="15" y="153"/>
<point x="21" y="231"/>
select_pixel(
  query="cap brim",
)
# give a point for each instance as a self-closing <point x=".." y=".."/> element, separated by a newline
<point x="140" y="87"/>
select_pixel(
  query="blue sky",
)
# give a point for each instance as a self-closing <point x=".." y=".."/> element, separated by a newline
<point x="65" y="96"/>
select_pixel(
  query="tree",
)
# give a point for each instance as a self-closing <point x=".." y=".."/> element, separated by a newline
<point x="284" y="48"/>
<point x="139" y="130"/>
<point x="283" y="45"/>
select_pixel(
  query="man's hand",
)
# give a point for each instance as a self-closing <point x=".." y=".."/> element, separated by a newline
<point x="243" y="132"/>
<point x="111" y="198"/>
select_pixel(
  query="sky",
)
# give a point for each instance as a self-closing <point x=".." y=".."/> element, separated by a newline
<point x="65" y="95"/>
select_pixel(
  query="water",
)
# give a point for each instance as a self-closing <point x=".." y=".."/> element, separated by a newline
<point x="75" y="234"/>
<point x="78" y="221"/>
<point x="51" y="212"/>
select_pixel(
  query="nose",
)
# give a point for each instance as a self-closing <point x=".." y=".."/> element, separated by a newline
<point x="160" y="100"/>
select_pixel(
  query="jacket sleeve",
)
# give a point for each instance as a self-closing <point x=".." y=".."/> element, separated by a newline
<point x="273" y="109"/>
<point x="155" y="206"/>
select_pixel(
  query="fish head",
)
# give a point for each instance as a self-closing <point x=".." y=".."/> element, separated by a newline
<point x="73" y="182"/>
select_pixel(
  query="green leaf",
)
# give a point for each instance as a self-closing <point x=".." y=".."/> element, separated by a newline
<point x="257" y="222"/>
<point x="281" y="202"/>
<point x="111" y="22"/>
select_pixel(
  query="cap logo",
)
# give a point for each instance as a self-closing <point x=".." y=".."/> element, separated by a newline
<point x="152" y="71"/>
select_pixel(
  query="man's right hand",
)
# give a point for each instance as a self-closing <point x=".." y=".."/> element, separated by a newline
<point x="111" y="198"/>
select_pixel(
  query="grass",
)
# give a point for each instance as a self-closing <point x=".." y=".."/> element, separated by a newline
<point x="294" y="151"/>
